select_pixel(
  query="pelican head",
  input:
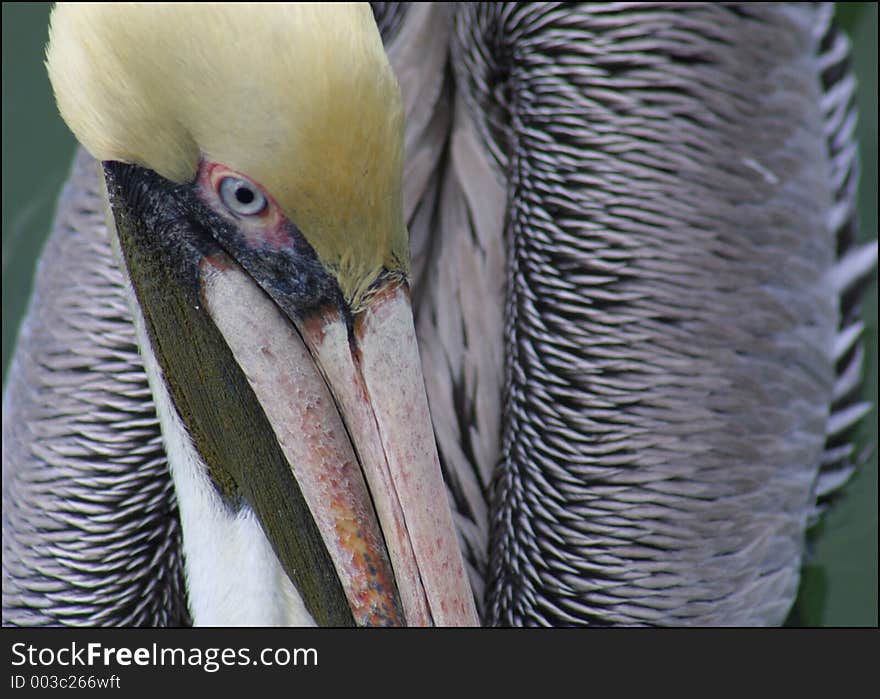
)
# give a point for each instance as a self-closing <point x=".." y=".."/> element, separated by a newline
<point x="252" y="160"/>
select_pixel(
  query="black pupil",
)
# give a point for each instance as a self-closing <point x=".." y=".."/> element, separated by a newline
<point x="244" y="195"/>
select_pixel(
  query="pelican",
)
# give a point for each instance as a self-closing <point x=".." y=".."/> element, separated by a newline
<point x="513" y="314"/>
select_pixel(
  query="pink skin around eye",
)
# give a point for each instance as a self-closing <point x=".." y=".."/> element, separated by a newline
<point x="267" y="229"/>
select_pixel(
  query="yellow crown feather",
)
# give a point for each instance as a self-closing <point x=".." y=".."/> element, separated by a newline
<point x="299" y="97"/>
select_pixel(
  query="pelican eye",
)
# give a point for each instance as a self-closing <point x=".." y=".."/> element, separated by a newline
<point x="241" y="197"/>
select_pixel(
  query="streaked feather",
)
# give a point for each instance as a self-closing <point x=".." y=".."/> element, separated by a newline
<point x="679" y="180"/>
<point x="90" y="528"/>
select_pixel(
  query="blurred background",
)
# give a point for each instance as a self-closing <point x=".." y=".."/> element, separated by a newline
<point x="839" y="583"/>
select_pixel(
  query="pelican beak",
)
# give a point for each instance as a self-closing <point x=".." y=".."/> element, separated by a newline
<point x="377" y="381"/>
<point x="313" y="416"/>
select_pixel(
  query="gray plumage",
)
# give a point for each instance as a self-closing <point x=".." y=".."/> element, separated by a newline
<point x="673" y="184"/>
<point x="632" y="228"/>
<point x="90" y="529"/>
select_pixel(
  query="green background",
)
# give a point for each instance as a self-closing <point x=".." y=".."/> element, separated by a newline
<point x="839" y="586"/>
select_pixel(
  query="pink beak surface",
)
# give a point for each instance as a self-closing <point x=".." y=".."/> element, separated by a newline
<point x="351" y="416"/>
